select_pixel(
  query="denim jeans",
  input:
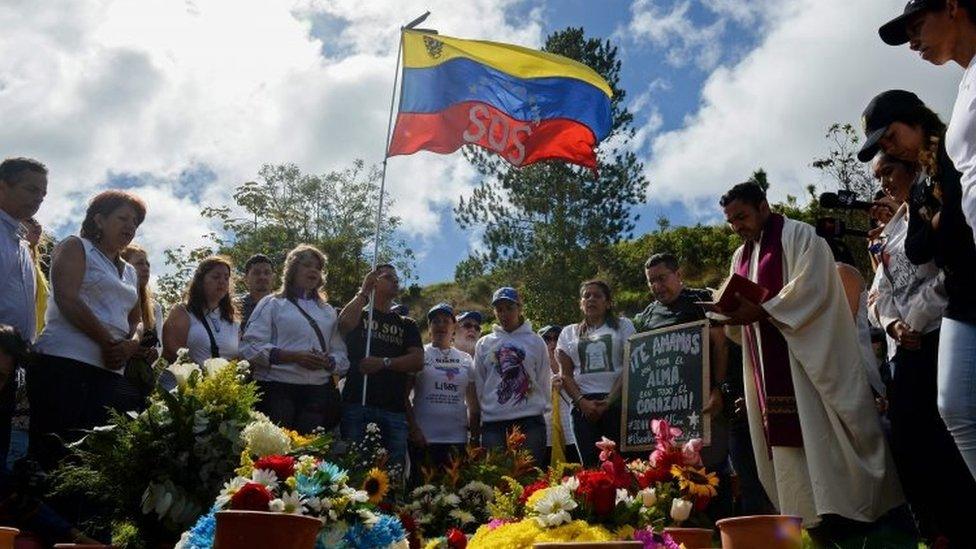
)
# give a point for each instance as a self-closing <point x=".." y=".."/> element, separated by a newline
<point x="957" y="386"/>
<point x="494" y="433"/>
<point x="393" y="428"/>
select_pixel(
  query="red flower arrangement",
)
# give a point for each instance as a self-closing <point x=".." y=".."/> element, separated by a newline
<point x="282" y="466"/>
<point x="253" y="496"/>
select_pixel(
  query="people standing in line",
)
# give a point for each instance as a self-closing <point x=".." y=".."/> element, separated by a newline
<point x="258" y="277"/>
<point x="591" y="359"/>
<point x="570" y="453"/>
<point x="205" y="324"/>
<point x="818" y="442"/>
<point x="93" y="327"/>
<point x="396" y="352"/>
<point x="295" y="348"/>
<point x="444" y="414"/>
<point x="900" y="124"/>
<point x="513" y="378"/>
<point x="23" y="186"/>
<point x="676" y="304"/>
<point x="468" y="331"/>
<point x="909" y="306"/>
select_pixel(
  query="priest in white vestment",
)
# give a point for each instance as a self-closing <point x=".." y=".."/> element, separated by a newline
<point x="818" y="442"/>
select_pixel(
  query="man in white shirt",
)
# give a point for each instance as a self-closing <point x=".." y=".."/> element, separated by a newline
<point x="23" y="185"/>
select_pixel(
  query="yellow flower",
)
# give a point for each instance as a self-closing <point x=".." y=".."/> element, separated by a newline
<point x="695" y="481"/>
<point x="298" y="440"/>
<point x="247" y="465"/>
<point x="377" y="484"/>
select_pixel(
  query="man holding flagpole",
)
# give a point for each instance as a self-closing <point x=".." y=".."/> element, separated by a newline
<point x="395" y="353"/>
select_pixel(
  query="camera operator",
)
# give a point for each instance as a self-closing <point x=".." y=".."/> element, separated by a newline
<point x="909" y="306"/>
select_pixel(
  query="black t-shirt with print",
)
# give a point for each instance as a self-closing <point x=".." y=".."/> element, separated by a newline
<point x="392" y="336"/>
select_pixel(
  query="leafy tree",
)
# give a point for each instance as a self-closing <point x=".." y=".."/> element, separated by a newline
<point x="285" y="207"/>
<point x="549" y="225"/>
<point x="841" y="163"/>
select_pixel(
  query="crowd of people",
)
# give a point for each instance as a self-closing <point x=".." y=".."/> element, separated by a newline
<point x="804" y="415"/>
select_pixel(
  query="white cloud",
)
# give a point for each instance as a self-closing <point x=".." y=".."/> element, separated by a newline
<point x="819" y="63"/>
<point x="156" y="87"/>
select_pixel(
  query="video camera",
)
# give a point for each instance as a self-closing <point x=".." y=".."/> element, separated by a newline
<point x="829" y="228"/>
<point x="843" y="200"/>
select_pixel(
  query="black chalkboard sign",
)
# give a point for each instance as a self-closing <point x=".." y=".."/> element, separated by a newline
<point x="667" y="377"/>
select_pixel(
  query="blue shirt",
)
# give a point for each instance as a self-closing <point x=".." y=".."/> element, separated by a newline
<point x="17" y="282"/>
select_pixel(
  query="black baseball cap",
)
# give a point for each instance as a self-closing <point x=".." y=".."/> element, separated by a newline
<point x="886" y="107"/>
<point x="894" y="32"/>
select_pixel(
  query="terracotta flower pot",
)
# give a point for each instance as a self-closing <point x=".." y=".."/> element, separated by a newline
<point x="261" y="530"/>
<point x="766" y="531"/>
<point x="693" y="538"/>
<point x="7" y="536"/>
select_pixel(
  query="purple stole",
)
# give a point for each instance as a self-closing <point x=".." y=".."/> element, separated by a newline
<point x="774" y="382"/>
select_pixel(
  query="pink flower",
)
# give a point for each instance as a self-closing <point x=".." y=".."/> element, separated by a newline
<point x="691" y="452"/>
<point x="664" y="433"/>
<point x="606" y="447"/>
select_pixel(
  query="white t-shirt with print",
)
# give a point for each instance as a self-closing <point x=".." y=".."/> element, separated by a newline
<point x="598" y="357"/>
<point x="439" y="389"/>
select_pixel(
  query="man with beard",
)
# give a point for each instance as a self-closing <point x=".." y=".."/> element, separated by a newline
<point x="820" y="452"/>
<point x="468" y="331"/>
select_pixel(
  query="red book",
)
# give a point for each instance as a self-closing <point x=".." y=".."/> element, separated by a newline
<point x="725" y="296"/>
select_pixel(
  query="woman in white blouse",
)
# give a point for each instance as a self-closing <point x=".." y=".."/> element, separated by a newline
<point x="206" y="324"/>
<point x="293" y="344"/>
<point x="93" y="326"/>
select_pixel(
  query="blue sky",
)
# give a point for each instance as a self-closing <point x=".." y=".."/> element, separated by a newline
<point x="181" y="102"/>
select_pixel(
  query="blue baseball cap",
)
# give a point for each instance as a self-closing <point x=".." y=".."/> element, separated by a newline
<point x="440" y="308"/>
<point x="473" y="315"/>
<point x="505" y="294"/>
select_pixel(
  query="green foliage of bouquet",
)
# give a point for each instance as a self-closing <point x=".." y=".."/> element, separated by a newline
<point x="151" y="474"/>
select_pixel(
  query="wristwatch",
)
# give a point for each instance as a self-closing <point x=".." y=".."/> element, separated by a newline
<point x="386" y="363"/>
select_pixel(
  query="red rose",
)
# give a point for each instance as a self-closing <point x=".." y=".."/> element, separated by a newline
<point x="253" y="496"/>
<point x="456" y="539"/>
<point x="533" y="488"/>
<point x="282" y="466"/>
<point x="597" y="487"/>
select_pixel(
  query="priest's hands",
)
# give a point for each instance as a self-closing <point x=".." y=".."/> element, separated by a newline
<point x="746" y="313"/>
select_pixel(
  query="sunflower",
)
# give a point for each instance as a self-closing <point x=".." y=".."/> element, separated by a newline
<point x="376" y="485"/>
<point x="695" y="481"/>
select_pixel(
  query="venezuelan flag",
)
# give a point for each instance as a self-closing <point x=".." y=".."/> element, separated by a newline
<point x="523" y="104"/>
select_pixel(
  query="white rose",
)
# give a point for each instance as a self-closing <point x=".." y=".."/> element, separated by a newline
<point x="182" y="371"/>
<point x="648" y="497"/>
<point x="680" y="509"/>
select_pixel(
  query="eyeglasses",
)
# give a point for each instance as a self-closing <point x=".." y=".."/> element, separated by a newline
<point x="470" y="326"/>
<point x="547" y="339"/>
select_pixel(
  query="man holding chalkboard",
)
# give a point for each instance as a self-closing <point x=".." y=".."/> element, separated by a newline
<point x="819" y="447"/>
<point x="673" y="305"/>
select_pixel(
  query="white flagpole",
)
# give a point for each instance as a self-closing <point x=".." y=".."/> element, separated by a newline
<point x="379" y="207"/>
